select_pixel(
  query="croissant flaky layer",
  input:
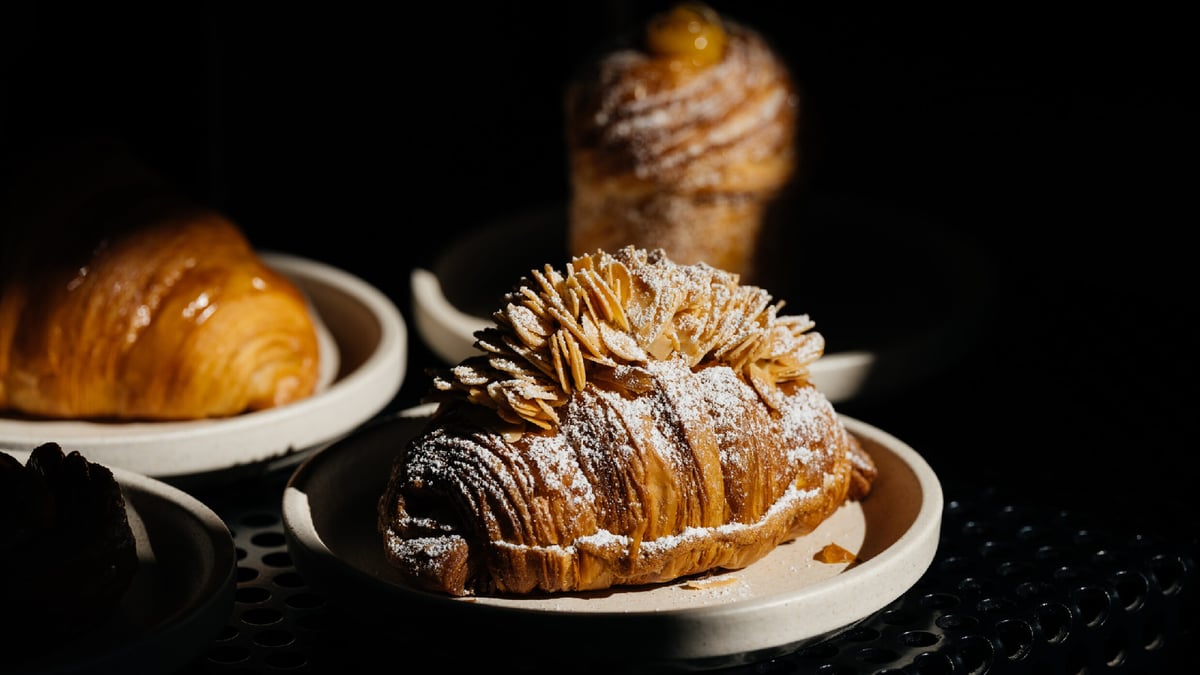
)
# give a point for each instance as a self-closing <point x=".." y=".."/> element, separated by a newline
<point x="151" y="310"/>
<point x="688" y="158"/>
<point x="672" y="432"/>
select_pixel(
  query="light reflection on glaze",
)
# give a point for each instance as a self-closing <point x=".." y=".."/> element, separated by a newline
<point x="196" y="306"/>
<point x="141" y="319"/>
<point x="78" y="279"/>
<point x="198" y="309"/>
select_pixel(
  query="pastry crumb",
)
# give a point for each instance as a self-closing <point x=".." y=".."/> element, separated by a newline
<point x="709" y="582"/>
<point x="833" y="553"/>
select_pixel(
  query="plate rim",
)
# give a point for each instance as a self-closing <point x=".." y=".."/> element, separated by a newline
<point x="382" y="372"/>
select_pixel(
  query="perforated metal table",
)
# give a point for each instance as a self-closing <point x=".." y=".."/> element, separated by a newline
<point x="1011" y="589"/>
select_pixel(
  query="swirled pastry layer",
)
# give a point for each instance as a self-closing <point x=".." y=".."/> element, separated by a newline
<point x="631" y="421"/>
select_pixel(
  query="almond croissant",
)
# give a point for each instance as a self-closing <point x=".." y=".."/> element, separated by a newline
<point x="631" y="421"/>
<point x="124" y="301"/>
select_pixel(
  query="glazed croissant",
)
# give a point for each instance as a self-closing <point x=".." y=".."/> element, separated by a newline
<point x="631" y="421"/>
<point x="685" y="139"/>
<point x="135" y="304"/>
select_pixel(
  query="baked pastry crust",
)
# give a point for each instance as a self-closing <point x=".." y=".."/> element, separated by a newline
<point x="123" y="300"/>
<point x="693" y="158"/>
<point x="631" y="421"/>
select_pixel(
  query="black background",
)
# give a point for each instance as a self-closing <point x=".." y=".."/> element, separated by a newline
<point x="1058" y="141"/>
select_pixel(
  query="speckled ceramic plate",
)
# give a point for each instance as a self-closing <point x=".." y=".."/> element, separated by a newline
<point x="779" y="603"/>
<point x="895" y="296"/>
<point x="364" y="355"/>
<point x="180" y="598"/>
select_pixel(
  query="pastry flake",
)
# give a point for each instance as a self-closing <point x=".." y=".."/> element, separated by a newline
<point x="624" y="309"/>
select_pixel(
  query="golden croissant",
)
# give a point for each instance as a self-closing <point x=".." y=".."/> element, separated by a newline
<point x="134" y="304"/>
<point x="630" y="421"/>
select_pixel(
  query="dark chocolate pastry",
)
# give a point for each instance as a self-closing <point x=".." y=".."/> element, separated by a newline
<point x="67" y="550"/>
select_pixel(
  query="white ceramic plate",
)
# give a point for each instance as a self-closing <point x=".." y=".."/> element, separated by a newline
<point x="181" y="595"/>
<point x="896" y="298"/>
<point x="365" y="340"/>
<point x="776" y="604"/>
